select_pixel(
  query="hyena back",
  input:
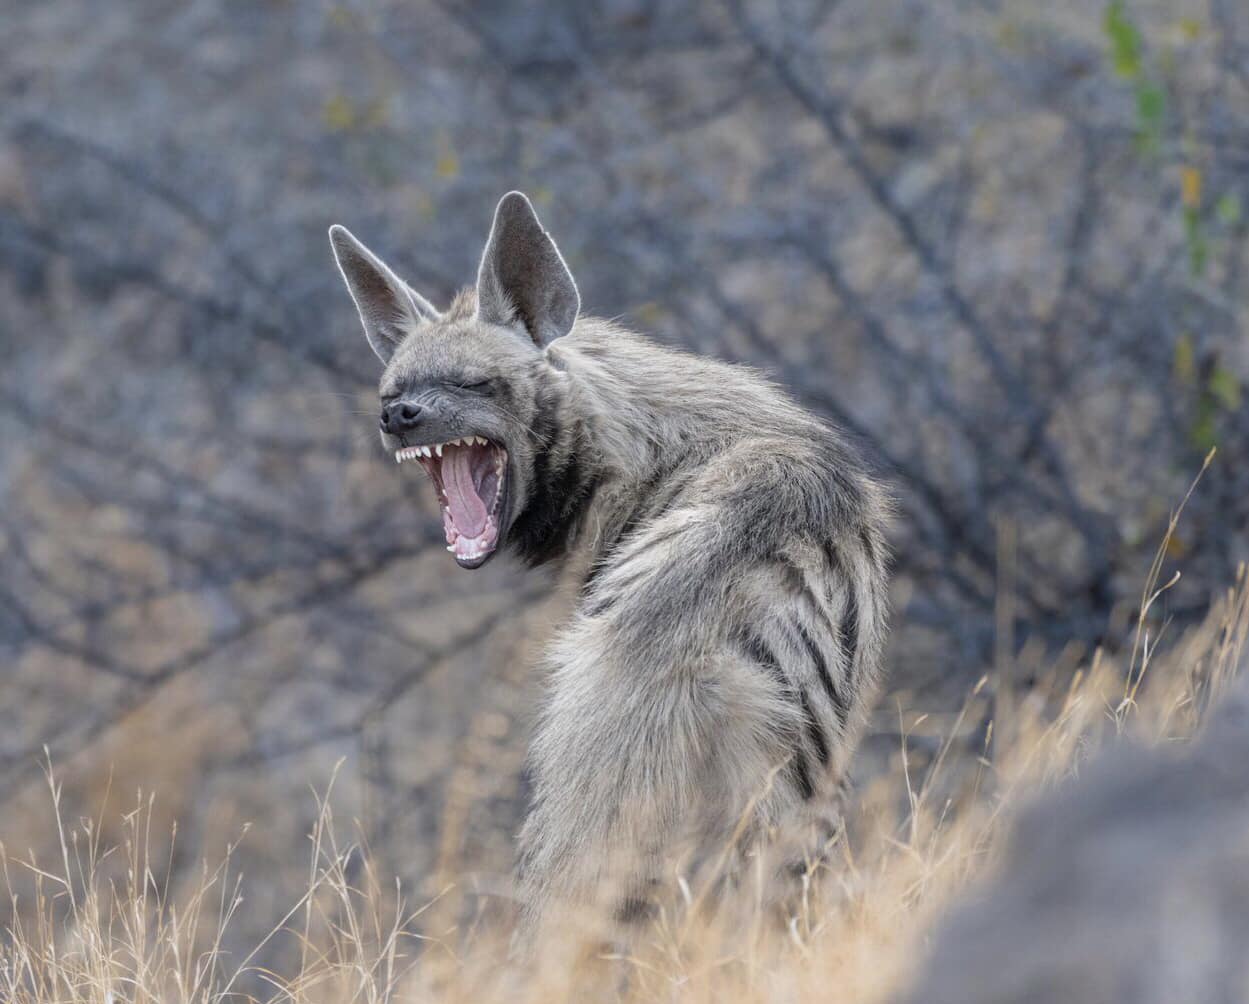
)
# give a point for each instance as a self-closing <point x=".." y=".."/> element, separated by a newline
<point x="726" y="547"/>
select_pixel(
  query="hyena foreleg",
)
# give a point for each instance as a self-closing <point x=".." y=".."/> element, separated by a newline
<point x="640" y="766"/>
<point x="617" y="762"/>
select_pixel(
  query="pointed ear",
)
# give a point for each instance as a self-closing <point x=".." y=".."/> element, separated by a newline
<point x="388" y="308"/>
<point x="523" y="276"/>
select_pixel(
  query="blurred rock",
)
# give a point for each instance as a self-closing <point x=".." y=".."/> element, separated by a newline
<point x="1130" y="885"/>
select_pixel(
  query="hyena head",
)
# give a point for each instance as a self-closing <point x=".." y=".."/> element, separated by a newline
<point x="463" y="390"/>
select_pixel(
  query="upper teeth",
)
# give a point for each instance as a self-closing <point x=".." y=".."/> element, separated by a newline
<point x="435" y="449"/>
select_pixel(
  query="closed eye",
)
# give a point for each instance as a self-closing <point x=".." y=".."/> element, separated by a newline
<point x="477" y="385"/>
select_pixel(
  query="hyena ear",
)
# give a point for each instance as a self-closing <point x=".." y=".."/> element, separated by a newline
<point x="523" y="276"/>
<point x="388" y="307"/>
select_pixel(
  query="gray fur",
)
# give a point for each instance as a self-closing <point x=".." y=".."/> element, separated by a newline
<point x="728" y="554"/>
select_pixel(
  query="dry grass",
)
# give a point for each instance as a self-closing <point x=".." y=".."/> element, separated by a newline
<point x="102" y="925"/>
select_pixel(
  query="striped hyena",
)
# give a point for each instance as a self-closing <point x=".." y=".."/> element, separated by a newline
<point x="726" y="546"/>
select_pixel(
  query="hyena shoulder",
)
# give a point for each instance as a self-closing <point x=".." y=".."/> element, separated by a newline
<point x="749" y="528"/>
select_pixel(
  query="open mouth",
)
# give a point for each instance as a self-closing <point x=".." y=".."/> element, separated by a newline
<point x="468" y="476"/>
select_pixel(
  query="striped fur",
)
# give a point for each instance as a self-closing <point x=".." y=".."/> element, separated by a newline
<point x="728" y="554"/>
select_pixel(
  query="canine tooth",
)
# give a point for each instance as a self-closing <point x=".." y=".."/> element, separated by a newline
<point x="438" y="448"/>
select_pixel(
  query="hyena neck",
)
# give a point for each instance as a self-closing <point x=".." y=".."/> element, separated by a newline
<point x="615" y="429"/>
<point x="566" y="475"/>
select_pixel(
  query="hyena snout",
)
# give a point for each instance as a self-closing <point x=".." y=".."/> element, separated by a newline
<point x="399" y="417"/>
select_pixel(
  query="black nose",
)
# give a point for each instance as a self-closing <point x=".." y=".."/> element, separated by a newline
<point x="400" y="416"/>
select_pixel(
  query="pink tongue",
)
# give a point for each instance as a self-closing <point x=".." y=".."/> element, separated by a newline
<point x="467" y="509"/>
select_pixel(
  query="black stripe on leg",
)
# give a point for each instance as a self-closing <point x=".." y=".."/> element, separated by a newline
<point x="821" y="667"/>
<point x="848" y="629"/>
<point x="798" y="770"/>
<point x="800" y="774"/>
<point x="814" y="731"/>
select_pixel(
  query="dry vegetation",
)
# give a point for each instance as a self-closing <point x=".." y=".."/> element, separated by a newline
<point x="103" y="924"/>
